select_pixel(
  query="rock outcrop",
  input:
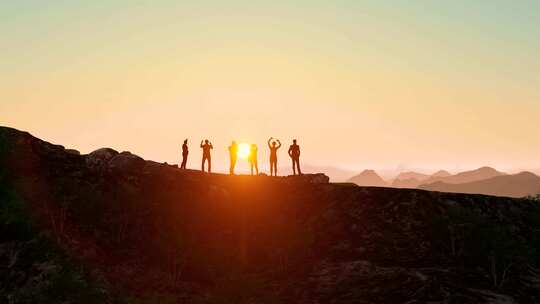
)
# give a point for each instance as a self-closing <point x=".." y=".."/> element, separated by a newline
<point x="150" y="232"/>
<point x="126" y="162"/>
<point x="100" y="158"/>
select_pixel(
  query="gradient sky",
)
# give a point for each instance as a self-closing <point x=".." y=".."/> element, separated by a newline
<point x="361" y="84"/>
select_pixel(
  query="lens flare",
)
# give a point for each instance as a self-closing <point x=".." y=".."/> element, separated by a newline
<point x="243" y="150"/>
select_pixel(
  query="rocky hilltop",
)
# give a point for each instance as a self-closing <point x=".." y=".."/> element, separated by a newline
<point x="110" y="227"/>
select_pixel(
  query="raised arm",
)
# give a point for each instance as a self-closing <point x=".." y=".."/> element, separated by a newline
<point x="202" y="143"/>
<point x="269" y="145"/>
<point x="279" y="144"/>
<point x="211" y="146"/>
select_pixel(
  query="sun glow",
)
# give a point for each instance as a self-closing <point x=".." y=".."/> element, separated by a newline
<point x="243" y="150"/>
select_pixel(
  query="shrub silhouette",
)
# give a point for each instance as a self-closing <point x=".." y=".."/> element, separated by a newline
<point x="470" y="238"/>
<point x="533" y="221"/>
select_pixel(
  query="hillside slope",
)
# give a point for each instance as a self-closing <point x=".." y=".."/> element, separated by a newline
<point x="152" y="233"/>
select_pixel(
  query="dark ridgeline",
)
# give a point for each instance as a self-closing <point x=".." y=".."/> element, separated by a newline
<point x="145" y="231"/>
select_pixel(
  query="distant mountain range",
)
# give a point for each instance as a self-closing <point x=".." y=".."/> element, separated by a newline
<point x="410" y="183"/>
<point x="467" y="176"/>
<point x="441" y="173"/>
<point x="412" y="175"/>
<point x="517" y="185"/>
<point x="484" y="180"/>
<point x="414" y="179"/>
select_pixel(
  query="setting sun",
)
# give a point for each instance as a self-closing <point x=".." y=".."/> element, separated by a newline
<point x="243" y="150"/>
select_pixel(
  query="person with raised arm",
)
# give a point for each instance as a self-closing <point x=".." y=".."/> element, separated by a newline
<point x="273" y="146"/>
<point x="207" y="146"/>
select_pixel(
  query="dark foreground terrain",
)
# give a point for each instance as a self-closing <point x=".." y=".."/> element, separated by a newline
<point x="109" y="227"/>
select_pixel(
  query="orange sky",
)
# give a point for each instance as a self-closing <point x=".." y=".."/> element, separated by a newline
<point x="360" y="85"/>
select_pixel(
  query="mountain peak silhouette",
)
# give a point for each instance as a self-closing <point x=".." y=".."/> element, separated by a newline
<point x="441" y="173"/>
<point x="368" y="178"/>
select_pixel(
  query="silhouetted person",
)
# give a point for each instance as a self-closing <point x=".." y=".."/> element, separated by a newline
<point x="185" y="152"/>
<point x="206" y="154"/>
<point x="253" y="158"/>
<point x="294" y="153"/>
<point x="233" y="153"/>
<point x="273" y="155"/>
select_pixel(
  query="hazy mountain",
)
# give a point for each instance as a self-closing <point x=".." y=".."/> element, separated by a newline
<point x="465" y="177"/>
<point x="441" y="173"/>
<point x="409" y="179"/>
<point x="518" y="185"/>
<point x="414" y="180"/>
<point x="368" y="178"/>
<point x="410" y="183"/>
<point x="412" y="175"/>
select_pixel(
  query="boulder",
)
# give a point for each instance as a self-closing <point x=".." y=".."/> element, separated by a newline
<point x="125" y="162"/>
<point x="99" y="158"/>
<point x="73" y="152"/>
<point x="317" y="178"/>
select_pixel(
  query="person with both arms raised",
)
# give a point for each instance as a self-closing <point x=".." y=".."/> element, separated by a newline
<point x="273" y="146"/>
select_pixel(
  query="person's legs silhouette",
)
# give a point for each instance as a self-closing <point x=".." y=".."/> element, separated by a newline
<point x="184" y="161"/>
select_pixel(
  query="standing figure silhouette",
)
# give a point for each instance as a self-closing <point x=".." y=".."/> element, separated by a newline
<point x="233" y="153"/>
<point x="185" y="152"/>
<point x="206" y="154"/>
<point x="273" y="155"/>
<point x="294" y="153"/>
<point x="253" y="158"/>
